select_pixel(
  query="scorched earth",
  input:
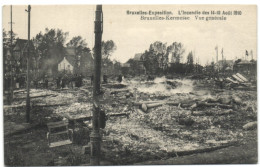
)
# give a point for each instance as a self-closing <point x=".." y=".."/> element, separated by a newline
<point x="146" y="120"/>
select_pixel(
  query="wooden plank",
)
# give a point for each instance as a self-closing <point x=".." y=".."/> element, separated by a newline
<point x="118" y="114"/>
<point x="49" y="105"/>
<point x="57" y="124"/>
<point x="237" y="78"/>
<point x="32" y="97"/>
<point x="58" y="133"/>
<point x="231" y="80"/>
<point x="108" y="115"/>
<point x="116" y="91"/>
<point x="242" y="77"/>
<point x="19" y="91"/>
<point x="251" y="88"/>
<point x="60" y="143"/>
<point x="139" y="111"/>
<point x="148" y="102"/>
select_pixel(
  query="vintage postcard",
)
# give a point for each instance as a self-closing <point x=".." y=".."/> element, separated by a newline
<point x="129" y="84"/>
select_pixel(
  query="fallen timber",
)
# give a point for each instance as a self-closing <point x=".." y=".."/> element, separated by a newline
<point x="88" y="118"/>
<point x="145" y="105"/>
<point x="35" y="105"/>
<point x="251" y="88"/>
<point x="49" y="105"/>
<point x="250" y="125"/>
<point x="33" y="97"/>
<point x="237" y="78"/>
<point x="200" y="104"/>
<point x="210" y="113"/>
<point x="114" y="91"/>
<point x="114" y="86"/>
<point x="239" y="82"/>
<point x="242" y="77"/>
<point x="204" y="104"/>
<point x="19" y="91"/>
<point x="148" y="102"/>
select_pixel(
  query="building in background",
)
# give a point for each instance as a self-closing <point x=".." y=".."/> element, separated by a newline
<point x="86" y="64"/>
<point x="246" y="67"/>
<point x="19" y="62"/>
<point x="68" y="62"/>
<point x="125" y="68"/>
<point x="140" y="68"/>
<point x="20" y="52"/>
<point x="224" y="65"/>
<point x="65" y="66"/>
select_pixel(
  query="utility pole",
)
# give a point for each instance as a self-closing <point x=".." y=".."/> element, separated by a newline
<point x="95" y="135"/>
<point x="194" y="56"/>
<point x="28" y="69"/>
<point x="217" y="58"/>
<point x="222" y="61"/>
<point x="12" y="60"/>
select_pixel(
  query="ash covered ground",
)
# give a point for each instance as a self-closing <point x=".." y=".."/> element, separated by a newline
<point x="159" y="119"/>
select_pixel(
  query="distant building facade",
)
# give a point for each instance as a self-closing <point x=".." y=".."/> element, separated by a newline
<point x="68" y="62"/>
<point x="7" y="61"/>
<point x="20" y="54"/>
<point x="246" y="67"/>
<point x="140" y="63"/>
<point x="65" y="65"/>
<point x="73" y="63"/>
<point x="125" y="68"/>
<point x="224" y="65"/>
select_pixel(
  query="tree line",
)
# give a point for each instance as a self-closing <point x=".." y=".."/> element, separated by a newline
<point x="163" y="58"/>
<point x="50" y="47"/>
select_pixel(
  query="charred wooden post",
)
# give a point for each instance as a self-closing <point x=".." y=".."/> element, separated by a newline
<point x="28" y="69"/>
<point x="12" y="60"/>
<point x="95" y="135"/>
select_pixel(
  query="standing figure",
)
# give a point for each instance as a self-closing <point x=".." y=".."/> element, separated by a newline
<point x="92" y="79"/>
<point x="46" y="81"/>
<point x="105" y="78"/>
<point x="74" y="79"/>
<point x="80" y="80"/>
<point x="58" y="80"/>
<point x="119" y="79"/>
<point x="22" y="81"/>
<point x="35" y="81"/>
<point x="63" y="80"/>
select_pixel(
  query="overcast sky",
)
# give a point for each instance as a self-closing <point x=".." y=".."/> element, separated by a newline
<point x="132" y="35"/>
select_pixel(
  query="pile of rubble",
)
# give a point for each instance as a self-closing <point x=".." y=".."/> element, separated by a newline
<point x="185" y="121"/>
<point x="160" y="118"/>
<point x="236" y="81"/>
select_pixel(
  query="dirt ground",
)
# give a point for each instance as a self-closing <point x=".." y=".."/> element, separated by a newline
<point x="160" y="133"/>
<point x="243" y="153"/>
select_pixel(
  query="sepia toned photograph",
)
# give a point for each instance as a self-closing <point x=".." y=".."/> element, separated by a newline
<point x="107" y="85"/>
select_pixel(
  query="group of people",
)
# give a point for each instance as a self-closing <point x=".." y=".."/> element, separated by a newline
<point x="105" y="79"/>
<point x="40" y="82"/>
<point x="62" y="81"/>
<point x="69" y="81"/>
<point x="17" y="82"/>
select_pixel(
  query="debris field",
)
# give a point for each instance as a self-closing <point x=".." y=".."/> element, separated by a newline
<point x="145" y="120"/>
